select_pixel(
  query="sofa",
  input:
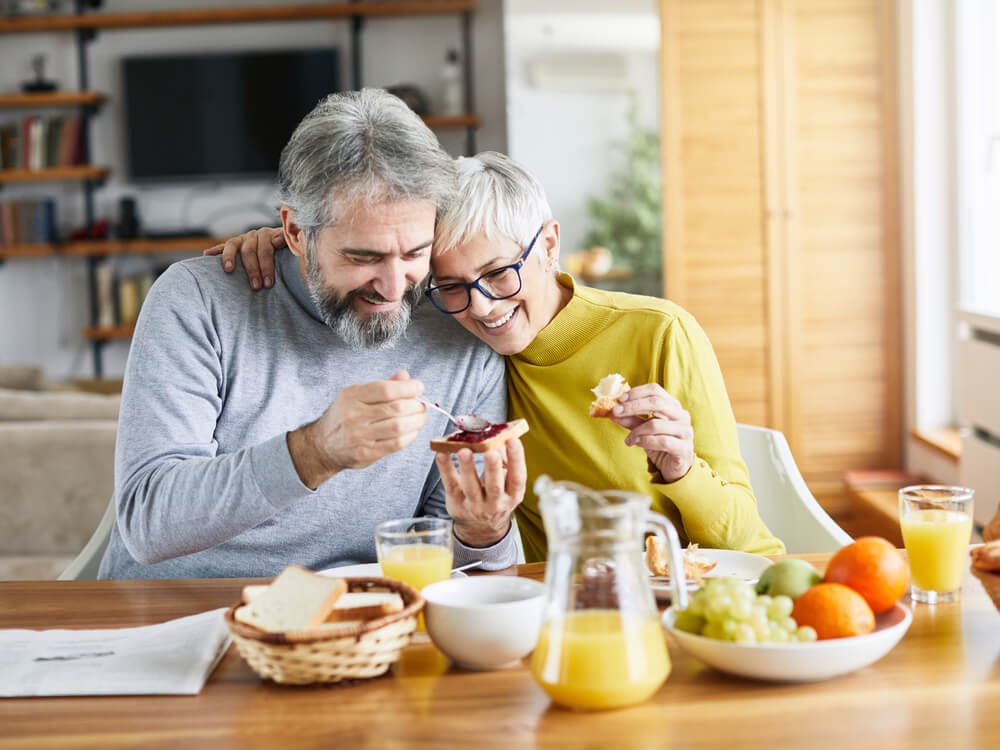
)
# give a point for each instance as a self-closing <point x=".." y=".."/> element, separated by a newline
<point x="56" y="471"/>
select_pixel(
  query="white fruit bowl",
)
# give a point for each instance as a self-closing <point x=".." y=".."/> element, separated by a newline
<point x="797" y="662"/>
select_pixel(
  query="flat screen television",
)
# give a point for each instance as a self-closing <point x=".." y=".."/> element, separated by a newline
<point x="220" y="115"/>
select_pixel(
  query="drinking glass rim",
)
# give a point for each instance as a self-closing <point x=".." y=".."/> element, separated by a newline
<point x="960" y="493"/>
<point x="384" y="530"/>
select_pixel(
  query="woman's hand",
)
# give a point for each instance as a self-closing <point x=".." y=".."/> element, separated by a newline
<point x="666" y="436"/>
<point x="256" y="248"/>
<point x="480" y="507"/>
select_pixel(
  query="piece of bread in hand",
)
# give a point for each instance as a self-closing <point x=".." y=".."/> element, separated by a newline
<point x="606" y="394"/>
<point x="479" y="442"/>
<point x="991" y="531"/>
<point x="986" y="556"/>
<point x="695" y="566"/>
<point x="297" y="599"/>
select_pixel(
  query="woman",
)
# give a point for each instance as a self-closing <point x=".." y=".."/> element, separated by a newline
<point x="672" y="436"/>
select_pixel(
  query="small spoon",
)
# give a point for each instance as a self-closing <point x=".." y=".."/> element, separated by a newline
<point x="460" y="568"/>
<point x="465" y="422"/>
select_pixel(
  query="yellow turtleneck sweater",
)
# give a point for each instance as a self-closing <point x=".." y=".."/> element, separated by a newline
<point x="648" y="340"/>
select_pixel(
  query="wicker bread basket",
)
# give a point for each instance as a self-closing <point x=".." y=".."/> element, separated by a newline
<point x="336" y="651"/>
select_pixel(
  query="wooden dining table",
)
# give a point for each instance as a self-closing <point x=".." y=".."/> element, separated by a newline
<point x="938" y="688"/>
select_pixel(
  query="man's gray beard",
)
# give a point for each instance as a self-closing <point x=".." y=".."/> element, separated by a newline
<point x="379" y="331"/>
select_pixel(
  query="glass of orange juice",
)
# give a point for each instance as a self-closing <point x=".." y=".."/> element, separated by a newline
<point x="937" y="524"/>
<point x="417" y="551"/>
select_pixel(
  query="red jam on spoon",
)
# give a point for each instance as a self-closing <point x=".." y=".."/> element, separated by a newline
<point x="477" y="437"/>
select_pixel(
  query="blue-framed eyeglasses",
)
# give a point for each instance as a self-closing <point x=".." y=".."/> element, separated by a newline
<point x="500" y="283"/>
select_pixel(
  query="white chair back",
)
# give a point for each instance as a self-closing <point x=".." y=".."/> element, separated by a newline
<point x="87" y="563"/>
<point x="783" y="500"/>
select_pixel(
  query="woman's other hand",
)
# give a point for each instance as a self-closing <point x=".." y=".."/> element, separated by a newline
<point x="659" y="425"/>
<point x="256" y="248"/>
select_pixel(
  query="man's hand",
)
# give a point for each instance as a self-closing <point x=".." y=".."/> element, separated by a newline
<point x="667" y="436"/>
<point x="364" y="423"/>
<point x="256" y="248"/>
<point x="481" y="507"/>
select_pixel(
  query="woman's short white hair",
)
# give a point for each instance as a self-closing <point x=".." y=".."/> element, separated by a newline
<point x="495" y="196"/>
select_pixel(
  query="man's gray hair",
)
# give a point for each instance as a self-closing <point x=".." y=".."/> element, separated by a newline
<point x="495" y="195"/>
<point x="360" y="147"/>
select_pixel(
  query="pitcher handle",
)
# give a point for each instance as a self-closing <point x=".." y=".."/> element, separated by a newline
<point x="664" y="530"/>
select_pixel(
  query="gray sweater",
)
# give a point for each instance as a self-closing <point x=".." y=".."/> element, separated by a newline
<point x="216" y="377"/>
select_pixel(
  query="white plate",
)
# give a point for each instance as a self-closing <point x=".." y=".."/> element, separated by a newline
<point x="366" y="570"/>
<point x="728" y="563"/>
<point x="797" y="662"/>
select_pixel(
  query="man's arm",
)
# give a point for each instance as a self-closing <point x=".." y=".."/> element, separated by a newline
<point x="174" y="495"/>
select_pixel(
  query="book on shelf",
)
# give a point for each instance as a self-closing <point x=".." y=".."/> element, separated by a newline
<point x="28" y="221"/>
<point x="120" y="298"/>
<point x="38" y="143"/>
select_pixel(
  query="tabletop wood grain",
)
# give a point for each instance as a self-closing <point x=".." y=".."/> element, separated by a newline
<point x="939" y="688"/>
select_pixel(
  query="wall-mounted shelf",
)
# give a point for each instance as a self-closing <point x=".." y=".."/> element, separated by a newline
<point x="206" y="16"/>
<point x="85" y="24"/>
<point x="107" y="333"/>
<point x="53" y="174"/>
<point x="138" y="246"/>
<point x="52" y="99"/>
<point x="109" y="247"/>
<point x="441" y="122"/>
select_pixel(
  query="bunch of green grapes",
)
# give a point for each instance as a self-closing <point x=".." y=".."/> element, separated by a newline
<point x="729" y="609"/>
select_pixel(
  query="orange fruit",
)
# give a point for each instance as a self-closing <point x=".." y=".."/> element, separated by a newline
<point x="834" y="611"/>
<point x="874" y="568"/>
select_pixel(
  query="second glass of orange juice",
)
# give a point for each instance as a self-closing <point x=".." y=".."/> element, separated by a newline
<point x="417" y="551"/>
<point x="936" y="522"/>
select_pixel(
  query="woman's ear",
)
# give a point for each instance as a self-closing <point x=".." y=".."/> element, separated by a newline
<point x="550" y="244"/>
<point x="295" y="236"/>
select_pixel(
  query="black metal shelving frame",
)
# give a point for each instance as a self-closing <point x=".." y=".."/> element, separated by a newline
<point x="86" y="36"/>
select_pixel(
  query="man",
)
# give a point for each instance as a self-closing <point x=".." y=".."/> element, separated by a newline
<point x="262" y="430"/>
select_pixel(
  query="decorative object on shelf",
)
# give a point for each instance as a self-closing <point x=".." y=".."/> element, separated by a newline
<point x="627" y="220"/>
<point x="451" y="81"/>
<point x="412" y="96"/>
<point x="39" y="84"/>
<point x="128" y="219"/>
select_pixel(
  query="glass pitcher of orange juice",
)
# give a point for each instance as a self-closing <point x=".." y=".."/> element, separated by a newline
<point x="601" y="644"/>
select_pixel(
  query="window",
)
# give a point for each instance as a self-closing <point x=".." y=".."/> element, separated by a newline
<point x="977" y="88"/>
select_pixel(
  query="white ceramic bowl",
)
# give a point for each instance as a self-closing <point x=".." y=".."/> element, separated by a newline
<point x="484" y="622"/>
<point x="797" y="662"/>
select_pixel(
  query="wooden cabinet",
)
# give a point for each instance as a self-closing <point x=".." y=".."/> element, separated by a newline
<point x="781" y="217"/>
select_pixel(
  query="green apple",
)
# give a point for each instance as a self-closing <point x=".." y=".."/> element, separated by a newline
<point x="789" y="577"/>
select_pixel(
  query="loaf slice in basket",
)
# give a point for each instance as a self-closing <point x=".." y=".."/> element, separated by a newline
<point x="296" y="600"/>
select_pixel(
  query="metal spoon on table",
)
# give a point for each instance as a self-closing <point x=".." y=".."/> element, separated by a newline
<point x="465" y="422"/>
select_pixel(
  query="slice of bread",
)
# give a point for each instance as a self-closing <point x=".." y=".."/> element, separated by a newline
<point x="695" y="566"/>
<point x="365" y="606"/>
<point x="606" y="394"/>
<point x="296" y="600"/>
<point x="448" y="444"/>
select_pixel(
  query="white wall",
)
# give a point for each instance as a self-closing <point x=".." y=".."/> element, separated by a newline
<point x="44" y="303"/>
<point x="562" y="126"/>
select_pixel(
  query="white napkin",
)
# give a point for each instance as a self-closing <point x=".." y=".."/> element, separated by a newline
<point x="172" y="658"/>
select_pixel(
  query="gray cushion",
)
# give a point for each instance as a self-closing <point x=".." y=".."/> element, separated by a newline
<point x="28" y="406"/>
<point x="22" y="377"/>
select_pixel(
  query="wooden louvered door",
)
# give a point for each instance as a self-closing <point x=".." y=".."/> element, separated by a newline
<point x="781" y="217"/>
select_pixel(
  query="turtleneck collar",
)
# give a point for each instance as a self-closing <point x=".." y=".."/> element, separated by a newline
<point x="572" y="327"/>
<point x="288" y="271"/>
